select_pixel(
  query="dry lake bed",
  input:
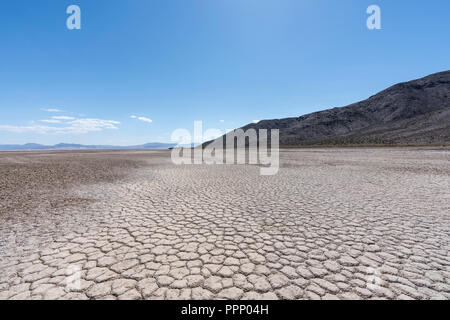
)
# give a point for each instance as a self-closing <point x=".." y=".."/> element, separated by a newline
<point x="332" y="224"/>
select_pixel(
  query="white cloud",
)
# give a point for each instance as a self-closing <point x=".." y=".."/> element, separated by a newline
<point x="50" y="121"/>
<point x="63" y="118"/>
<point x="88" y="125"/>
<point x="23" y="129"/>
<point x="256" y="121"/>
<point x="145" y="119"/>
<point x="76" y="126"/>
<point x="141" y="118"/>
<point x="222" y="121"/>
<point x="52" y="110"/>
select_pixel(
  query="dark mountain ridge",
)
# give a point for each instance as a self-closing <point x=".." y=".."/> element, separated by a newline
<point x="414" y="112"/>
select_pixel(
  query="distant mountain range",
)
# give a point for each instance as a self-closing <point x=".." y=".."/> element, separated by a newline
<point x="71" y="146"/>
<point x="409" y="113"/>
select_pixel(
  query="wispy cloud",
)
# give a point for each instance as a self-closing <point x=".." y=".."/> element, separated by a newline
<point x="222" y="121"/>
<point x="148" y="120"/>
<point x="63" y="118"/>
<point x="51" y="110"/>
<point x="88" y="125"/>
<point x="145" y="119"/>
<point x="24" y="129"/>
<point x="76" y="126"/>
<point x="50" y="121"/>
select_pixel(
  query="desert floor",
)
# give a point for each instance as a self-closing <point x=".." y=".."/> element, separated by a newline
<point x="333" y="223"/>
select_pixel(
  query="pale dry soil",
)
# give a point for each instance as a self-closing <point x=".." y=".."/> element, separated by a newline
<point x="332" y="224"/>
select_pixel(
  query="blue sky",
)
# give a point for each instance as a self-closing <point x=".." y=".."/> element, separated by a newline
<point x="176" y="61"/>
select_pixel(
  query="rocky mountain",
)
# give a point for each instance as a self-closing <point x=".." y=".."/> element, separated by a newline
<point x="414" y="112"/>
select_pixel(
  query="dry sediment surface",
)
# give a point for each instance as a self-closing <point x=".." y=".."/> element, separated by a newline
<point x="332" y="224"/>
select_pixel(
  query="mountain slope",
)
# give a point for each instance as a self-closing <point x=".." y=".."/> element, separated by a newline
<point x="414" y="112"/>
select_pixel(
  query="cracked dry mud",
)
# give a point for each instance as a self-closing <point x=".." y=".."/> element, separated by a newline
<point x="332" y="224"/>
